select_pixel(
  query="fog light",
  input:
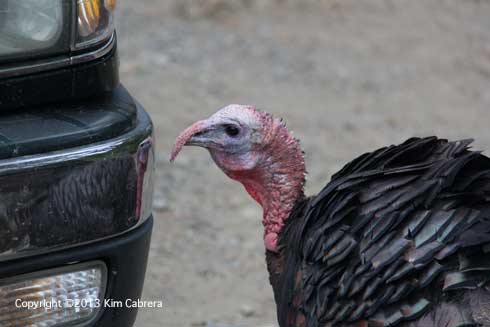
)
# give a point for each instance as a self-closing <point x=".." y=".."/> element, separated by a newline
<point x="69" y="295"/>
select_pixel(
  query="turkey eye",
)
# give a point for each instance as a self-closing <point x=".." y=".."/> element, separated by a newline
<point x="231" y="130"/>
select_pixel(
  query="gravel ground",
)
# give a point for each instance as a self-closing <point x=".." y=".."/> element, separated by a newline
<point x="347" y="76"/>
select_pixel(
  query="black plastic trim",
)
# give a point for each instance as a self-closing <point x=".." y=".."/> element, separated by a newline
<point x="64" y="84"/>
<point x="60" y="126"/>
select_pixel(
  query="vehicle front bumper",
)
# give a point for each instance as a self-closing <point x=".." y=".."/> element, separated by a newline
<point x="76" y="185"/>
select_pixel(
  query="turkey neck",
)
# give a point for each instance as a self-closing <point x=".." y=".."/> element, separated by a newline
<point x="277" y="181"/>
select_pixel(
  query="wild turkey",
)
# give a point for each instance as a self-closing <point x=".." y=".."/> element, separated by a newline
<point x="399" y="237"/>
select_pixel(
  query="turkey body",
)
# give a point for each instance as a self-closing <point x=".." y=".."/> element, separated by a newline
<point x="399" y="237"/>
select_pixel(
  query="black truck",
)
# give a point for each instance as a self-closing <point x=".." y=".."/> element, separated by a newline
<point x="76" y="169"/>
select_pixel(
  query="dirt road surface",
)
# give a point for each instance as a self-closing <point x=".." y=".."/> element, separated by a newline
<point x="348" y="76"/>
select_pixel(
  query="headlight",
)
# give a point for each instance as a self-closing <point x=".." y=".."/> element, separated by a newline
<point x="53" y="298"/>
<point x="31" y="28"/>
<point x="31" y="25"/>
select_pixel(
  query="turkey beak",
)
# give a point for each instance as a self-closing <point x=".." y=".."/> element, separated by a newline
<point x="192" y="135"/>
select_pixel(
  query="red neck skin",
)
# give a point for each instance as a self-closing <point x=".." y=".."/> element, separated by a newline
<point x="277" y="181"/>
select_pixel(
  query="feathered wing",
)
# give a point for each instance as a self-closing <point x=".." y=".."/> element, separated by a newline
<point x="395" y="233"/>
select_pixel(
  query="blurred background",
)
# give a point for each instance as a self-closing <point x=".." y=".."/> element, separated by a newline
<point x="347" y="76"/>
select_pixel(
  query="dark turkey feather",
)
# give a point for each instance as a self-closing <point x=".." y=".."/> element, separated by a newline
<point x="398" y="237"/>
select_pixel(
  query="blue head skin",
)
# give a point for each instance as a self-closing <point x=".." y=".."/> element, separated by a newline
<point x="252" y="147"/>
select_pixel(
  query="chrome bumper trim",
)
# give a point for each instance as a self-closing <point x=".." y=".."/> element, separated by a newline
<point x="76" y="196"/>
<point x="14" y="70"/>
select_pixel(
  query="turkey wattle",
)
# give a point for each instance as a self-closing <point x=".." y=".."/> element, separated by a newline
<point x="399" y="237"/>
